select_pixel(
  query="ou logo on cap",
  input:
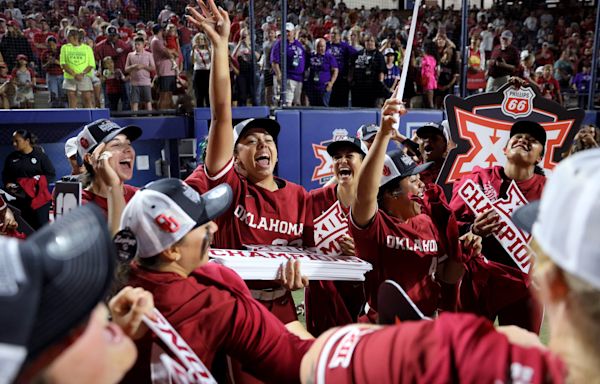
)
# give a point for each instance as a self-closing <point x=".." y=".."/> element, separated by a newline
<point x="167" y="223"/>
<point x="386" y="171"/>
<point x="84" y="143"/>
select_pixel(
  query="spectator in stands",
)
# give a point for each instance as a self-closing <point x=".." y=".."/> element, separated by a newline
<point x="27" y="173"/>
<point x="245" y="79"/>
<point x="588" y="137"/>
<point x="164" y="68"/>
<point x="367" y="73"/>
<point x="355" y="40"/>
<point x="77" y="62"/>
<point x="526" y="67"/>
<point x="503" y="62"/>
<point x="14" y="13"/>
<point x="581" y="83"/>
<point x="343" y="53"/>
<point x="545" y="55"/>
<point x="7" y="88"/>
<point x="201" y="62"/>
<point x="25" y="83"/>
<point x="429" y="73"/>
<point x="476" y="65"/>
<point x="549" y="86"/>
<point x="322" y="73"/>
<point x="448" y="68"/>
<point x="296" y="57"/>
<point x="392" y="75"/>
<point x="116" y="48"/>
<point x="563" y="70"/>
<point x="140" y="66"/>
<point x="172" y="44"/>
<point x="112" y="80"/>
<point x="14" y="43"/>
<point x="267" y="69"/>
<point x="54" y="74"/>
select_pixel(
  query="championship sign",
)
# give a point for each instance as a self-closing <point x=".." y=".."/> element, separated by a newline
<point x="324" y="171"/>
<point x="480" y="127"/>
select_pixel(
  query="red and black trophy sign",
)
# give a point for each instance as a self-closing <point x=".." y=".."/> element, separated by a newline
<point x="480" y="127"/>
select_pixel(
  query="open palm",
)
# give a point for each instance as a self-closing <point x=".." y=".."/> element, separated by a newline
<point x="213" y="20"/>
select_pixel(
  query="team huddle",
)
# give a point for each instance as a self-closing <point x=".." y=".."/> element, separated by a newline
<point x="446" y="257"/>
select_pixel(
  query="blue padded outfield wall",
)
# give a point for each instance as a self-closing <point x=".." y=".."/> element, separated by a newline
<point x="302" y="141"/>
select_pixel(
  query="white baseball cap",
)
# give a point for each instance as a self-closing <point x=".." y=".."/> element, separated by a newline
<point x="71" y="147"/>
<point x="566" y="220"/>
<point x="163" y="212"/>
<point x="289" y="27"/>
<point x="270" y="125"/>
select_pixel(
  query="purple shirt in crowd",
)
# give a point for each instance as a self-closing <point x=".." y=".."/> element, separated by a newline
<point x="343" y="53"/>
<point x="319" y="70"/>
<point x="295" y="59"/>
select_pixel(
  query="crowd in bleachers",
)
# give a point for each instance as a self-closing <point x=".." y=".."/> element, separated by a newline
<point x="336" y="56"/>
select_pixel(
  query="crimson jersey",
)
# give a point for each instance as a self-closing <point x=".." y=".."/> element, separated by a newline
<point x="330" y="303"/>
<point x="495" y="283"/>
<point x="258" y="216"/>
<point x="91" y="197"/>
<point x="455" y="348"/>
<point x="407" y="252"/>
<point x="214" y="313"/>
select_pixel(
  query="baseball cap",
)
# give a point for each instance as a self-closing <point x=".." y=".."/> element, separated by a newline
<point x="530" y="127"/>
<point x="389" y="51"/>
<point x="71" y="147"/>
<point x="524" y="54"/>
<point x="21" y="57"/>
<point x="565" y="221"/>
<point x="270" y="19"/>
<point x="50" y="38"/>
<point x="507" y="35"/>
<point x="51" y="282"/>
<point x="13" y="23"/>
<point x="112" y="30"/>
<point x="367" y="131"/>
<point x="539" y="69"/>
<point x="103" y="131"/>
<point x="346" y="141"/>
<point x="163" y="212"/>
<point x="289" y="27"/>
<point x="270" y="125"/>
<point x="399" y="165"/>
<point x="432" y="128"/>
<point x="156" y="28"/>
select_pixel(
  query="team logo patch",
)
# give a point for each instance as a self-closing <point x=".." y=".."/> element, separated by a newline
<point x="324" y="171"/>
<point x="386" y="171"/>
<point x="167" y="223"/>
<point x="84" y="143"/>
<point x="480" y="127"/>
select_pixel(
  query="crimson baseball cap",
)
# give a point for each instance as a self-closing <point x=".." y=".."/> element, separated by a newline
<point x="270" y="125"/>
<point x="399" y="165"/>
<point x="346" y="141"/>
<point x="163" y="212"/>
<point x="530" y="127"/>
<point x="565" y="221"/>
<point x="103" y="131"/>
<point x="367" y="131"/>
<point x="50" y="284"/>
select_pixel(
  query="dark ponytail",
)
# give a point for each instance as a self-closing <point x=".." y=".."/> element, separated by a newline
<point x="25" y="134"/>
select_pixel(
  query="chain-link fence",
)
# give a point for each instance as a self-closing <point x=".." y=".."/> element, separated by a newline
<point x="337" y="54"/>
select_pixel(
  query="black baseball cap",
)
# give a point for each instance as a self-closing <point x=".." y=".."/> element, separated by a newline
<point x="367" y="131"/>
<point x="399" y="165"/>
<point x="103" y="131"/>
<point x="270" y="125"/>
<point x="431" y="128"/>
<point x="346" y="141"/>
<point x="142" y="231"/>
<point x="52" y="281"/>
<point x="530" y="127"/>
<point x="157" y="28"/>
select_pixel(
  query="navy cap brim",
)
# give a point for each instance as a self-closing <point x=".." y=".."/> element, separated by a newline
<point x="335" y="146"/>
<point x="429" y="129"/>
<point x="270" y="125"/>
<point x="217" y="201"/>
<point x="420" y="168"/>
<point x="524" y="217"/>
<point x="132" y="132"/>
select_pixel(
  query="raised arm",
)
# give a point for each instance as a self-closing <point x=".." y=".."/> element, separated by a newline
<point x="215" y="23"/>
<point x="365" y="204"/>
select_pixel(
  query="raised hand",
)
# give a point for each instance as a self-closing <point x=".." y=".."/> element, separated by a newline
<point x="212" y="20"/>
<point x="104" y="166"/>
<point x="128" y="307"/>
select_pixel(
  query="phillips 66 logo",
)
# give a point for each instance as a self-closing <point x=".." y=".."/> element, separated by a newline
<point x="518" y="102"/>
<point x="324" y="171"/>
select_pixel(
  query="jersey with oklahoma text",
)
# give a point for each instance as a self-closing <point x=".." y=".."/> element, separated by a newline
<point x="330" y="303"/>
<point x="258" y="216"/>
<point x="407" y="252"/>
<point x="455" y="348"/>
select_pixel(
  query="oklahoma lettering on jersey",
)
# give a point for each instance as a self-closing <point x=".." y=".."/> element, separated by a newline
<point x="406" y="252"/>
<point x="259" y="216"/>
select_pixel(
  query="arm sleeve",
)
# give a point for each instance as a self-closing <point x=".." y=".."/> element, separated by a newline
<point x="48" y="168"/>
<point x="366" y="238"/>
<point x="275" y="52"/>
